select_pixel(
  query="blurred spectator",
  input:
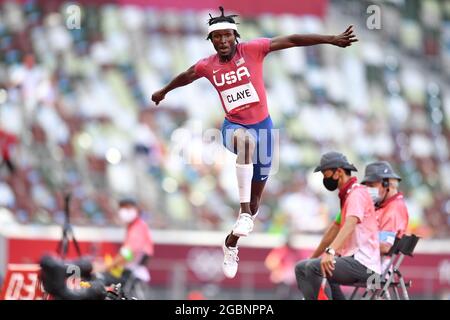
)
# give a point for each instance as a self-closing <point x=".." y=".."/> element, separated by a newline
<point x="281" y="262"/>
<point x="7" y="142"/>
<point x="137" y="249"/>
<point x="195" y="295"/>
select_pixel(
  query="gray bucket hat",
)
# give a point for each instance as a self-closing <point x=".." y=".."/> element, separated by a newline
<point x="379" y="170"/>
<point x="333" y="160"/>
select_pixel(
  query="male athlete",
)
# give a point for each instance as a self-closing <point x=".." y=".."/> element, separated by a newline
<point x="236" y="71"/>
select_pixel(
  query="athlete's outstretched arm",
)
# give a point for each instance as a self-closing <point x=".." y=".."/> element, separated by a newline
<point x="182" y="79"/>
<point x="342" y="40"/>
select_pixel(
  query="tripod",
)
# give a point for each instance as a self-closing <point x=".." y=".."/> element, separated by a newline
<point x="67" y="234"/>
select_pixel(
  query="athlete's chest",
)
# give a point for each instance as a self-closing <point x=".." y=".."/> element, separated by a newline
<point x="238" y="71"/>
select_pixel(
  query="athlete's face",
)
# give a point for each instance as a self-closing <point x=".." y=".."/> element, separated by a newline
<point x="224" y="41"/>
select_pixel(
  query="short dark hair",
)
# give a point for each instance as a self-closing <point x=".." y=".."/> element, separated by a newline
<point x="222" y="18"/>
<point x="128" y="202"/>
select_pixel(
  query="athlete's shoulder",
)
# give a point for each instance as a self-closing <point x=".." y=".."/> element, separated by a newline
<point x="259" y="40"/>
<point x="258" y="46"/>
<point x="202" y="65"/>
<point x="207" y="59"/>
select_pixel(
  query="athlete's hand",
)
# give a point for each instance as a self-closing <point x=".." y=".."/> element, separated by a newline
<point x="345" y="39"/>
<point x="158" y="96"/>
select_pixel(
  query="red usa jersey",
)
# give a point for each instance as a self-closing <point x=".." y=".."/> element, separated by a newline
<point x="239" y="82"/>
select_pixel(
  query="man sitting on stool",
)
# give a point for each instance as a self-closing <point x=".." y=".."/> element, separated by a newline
<point x="356" y="240"/>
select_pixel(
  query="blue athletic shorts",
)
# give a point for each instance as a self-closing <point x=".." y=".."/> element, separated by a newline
<point x="262" y="132"/>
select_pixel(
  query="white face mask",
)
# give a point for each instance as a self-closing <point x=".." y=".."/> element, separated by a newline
<point x="127" y="215"/>
<point x="374" y="194"/>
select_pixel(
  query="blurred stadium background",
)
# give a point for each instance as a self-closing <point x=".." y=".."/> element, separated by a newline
<point x="75" y="114"/>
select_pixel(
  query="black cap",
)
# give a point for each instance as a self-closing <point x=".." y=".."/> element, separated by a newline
<point x="334" y="160"/>
<point x="379" y="170"/>
<point x="129" y="201"/>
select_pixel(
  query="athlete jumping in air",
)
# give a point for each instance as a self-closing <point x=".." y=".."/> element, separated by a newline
<point x="236" y="71"/>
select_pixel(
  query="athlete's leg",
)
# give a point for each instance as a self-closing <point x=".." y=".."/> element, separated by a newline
<point x="238" y="140"/>
<point x="262" y="160"/>
<point x="244" y="144"/>
<point x="262" y="163"/>
<point x="256" y="193"/>
<point x="257" y="190"/>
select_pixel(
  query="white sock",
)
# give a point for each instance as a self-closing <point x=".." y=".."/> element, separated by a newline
<point x="244" y="174"/>
<point x="253" y="216"/>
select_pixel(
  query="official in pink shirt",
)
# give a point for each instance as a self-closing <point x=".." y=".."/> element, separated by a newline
<point x="137" y="248"/>
<point x="352" y="253"/>
<point x="390" y="207"/>
<point x="236" y="72"/>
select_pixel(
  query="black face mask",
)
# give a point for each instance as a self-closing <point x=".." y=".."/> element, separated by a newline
<point x="330" y="183"/>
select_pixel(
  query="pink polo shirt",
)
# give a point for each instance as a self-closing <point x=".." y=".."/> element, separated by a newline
<point x="393" y="220"/>
<point x="393" y="215"/>
<point x="138" y="239"/>
<point x="363" y="243"/>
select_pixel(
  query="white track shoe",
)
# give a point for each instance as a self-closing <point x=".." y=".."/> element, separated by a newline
<point x="243" y="226"/>
<point x="230" y="261"/>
